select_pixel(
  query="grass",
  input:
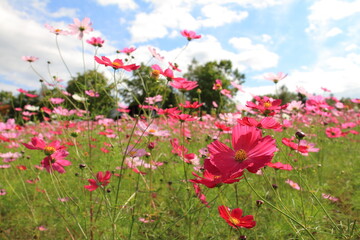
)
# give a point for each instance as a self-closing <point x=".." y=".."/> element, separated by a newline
<point x="166" y="200"/>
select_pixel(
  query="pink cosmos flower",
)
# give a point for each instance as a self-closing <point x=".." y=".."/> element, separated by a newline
<point x="190" y="35"/>
<point x="57" y="100"/>
<point x="266" y="106"/>
<point x="151" y="129"/>
<point x="96" y="41"/>
<point x="266" y="123"/>
<point x="56" y="31"/>
<point x="174" y="67"/>
<point x="193" y="105"/>
<point x="212" y="177"/>
<point x="116" y="64"/>
<point x="292" y="184"/>
<point x="217" y="85"/>
<point x="81" y="27"/>
<point x="200" y="195"/>
<point x="328" y="196"/>
<point x="235" y="217"/>
<point x="127" y="50"/>
<point x="168" y="73"/>
<point x="29" y="59"/>
<point x="153" y="100"/>
<point x="279" y="165"/>
<point x="226" y="92"/>
<point x="250" y="151"/>
<point x="155" y="54"/>
<point x="275" y="77"/>
<point x="56" y="161"/>
<point x="101" y="180"/>
<point x="333" y="132"/>
<point x="2" y="192"/>
<point x="237" y="86"/>
<point x="92" y="93"/>
<point x="183" y="85"/>
<point x="40" y="144"/>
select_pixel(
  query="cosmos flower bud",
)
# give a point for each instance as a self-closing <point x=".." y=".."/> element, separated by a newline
<point x="259" y="203"/>
<point x="300" y="135"/>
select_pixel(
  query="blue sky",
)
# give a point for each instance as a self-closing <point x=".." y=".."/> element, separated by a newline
<point x="315" y="41"/>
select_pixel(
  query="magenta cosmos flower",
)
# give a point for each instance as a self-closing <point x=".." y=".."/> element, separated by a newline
<point x="101" y="180"/>
<point x="183" y="85"/>
<point x="56" y="161"/>
<point x="126" y="50"/>
<point x="235" y="217"/>
<point x="40" y="144"/>
<point x="116" y="64"/>
<point x="81" y="27"/>
<point x="250" y="151"/>
<point x="190" y="35"/>
<point x="96" y="41"/>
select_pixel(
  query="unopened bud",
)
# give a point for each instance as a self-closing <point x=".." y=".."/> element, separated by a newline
<point x="300" y="135"/>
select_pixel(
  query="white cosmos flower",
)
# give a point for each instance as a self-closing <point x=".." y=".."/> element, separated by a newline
<point x="78" y="98"/>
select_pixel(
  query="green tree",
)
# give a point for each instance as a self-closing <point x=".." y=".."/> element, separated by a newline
<point x="92" y="80"/>
<point x="285" y="95"/>
<point x="205" y="75"/>
<point x="143" y="85"/>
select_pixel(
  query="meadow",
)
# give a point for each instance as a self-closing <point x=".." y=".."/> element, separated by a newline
<point x="265" y="170"/>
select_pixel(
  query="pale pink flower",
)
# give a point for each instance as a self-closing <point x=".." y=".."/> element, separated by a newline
<point x="56" y="31"/>
<point x="275" y="77"/>
<point x="226" y="93"/>
<point x="127" y="50"/>
<point x="92" y="93"/>
<point x="153" y="100"/>
<point x="2" y="192"/>
<point x="155" y="54"/>
<point x="237" y="86"/>
<point x="292" y="184"/>
<point x="42" y="228"/>
<point x="328" y="196"/>
<point x="28" y="59"/>
<point x="57" y="100"/>
<point x="81" y="27"/>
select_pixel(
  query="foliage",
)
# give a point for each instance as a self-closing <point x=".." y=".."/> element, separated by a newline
<point x="285" y="95"/>
<point x="91" y="80"/>
<point x="142" y="85"/>
<point x="205" y="75"/>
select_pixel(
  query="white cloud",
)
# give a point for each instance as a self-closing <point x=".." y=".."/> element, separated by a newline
<point x="256" y="56"/>
<point x="217" y="15"/>
<point x="333" y="32"/>
<point x="122" y="4"/>
<point x="325" y="12"/>
<point x="167" y="15"/>
<point x="247" y="3"/>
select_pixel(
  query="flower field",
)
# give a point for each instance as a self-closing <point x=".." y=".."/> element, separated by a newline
<point x="264" y="170"/>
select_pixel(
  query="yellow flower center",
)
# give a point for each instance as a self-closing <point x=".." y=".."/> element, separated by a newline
<point x="116" y="64"/>
<point x="152" y="131"/>
<point x="155" y="73"/>
<point x="48" y="150"/>
<point x="267" y="104"/>
<point x="240" y="155"/>
<point x="235" y="221"/>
